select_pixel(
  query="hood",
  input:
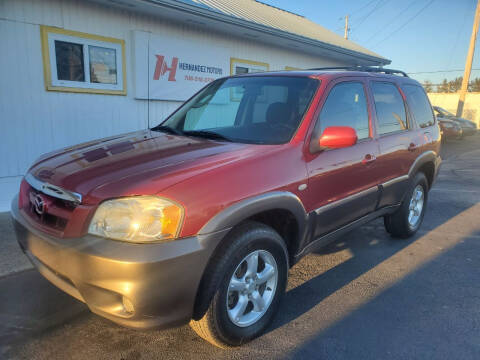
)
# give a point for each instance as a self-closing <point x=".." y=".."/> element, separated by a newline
<point x="462" y="121"/>
<point x="143" y="162"/>
<point x="453" y="123"/>
<point x="445" y="120"/>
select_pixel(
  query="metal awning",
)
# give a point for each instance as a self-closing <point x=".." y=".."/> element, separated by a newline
<point x="259" y="22"/>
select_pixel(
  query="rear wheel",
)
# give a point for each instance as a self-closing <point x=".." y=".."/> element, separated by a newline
<point x="407" y="219"/>
<point x="246" y="281"/>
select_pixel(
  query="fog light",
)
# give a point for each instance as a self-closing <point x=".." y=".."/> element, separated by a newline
<point x="127" y="305"/>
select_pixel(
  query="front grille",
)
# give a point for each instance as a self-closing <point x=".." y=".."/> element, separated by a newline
<point x="56" y="212"/>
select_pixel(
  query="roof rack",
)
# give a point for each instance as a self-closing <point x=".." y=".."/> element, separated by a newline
<point x="364" y="68"/>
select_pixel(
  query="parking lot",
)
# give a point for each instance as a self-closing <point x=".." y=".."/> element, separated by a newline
<point x="364" y="297"/>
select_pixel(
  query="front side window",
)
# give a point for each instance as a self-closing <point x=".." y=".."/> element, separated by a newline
<point x="346" y="105"/>
<point x="389" y="106"/>
<point x="419" y="105"/>
<point x="264" y="110"/>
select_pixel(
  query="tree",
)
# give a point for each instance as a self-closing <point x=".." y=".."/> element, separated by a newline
<point x="474" y="85"/>
<point x="443" y="87"/>
<point x="455" y="84"/>
<point x="428" y="86"/>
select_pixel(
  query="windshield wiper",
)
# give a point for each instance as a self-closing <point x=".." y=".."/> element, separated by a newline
<point x="206" y="134"/>
<point x="199" y="133"/>
<point x="167" y="129"/>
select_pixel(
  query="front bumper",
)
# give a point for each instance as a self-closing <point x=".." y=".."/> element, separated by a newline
<point x="453" y="133"/>
<point x="134" y="285"/>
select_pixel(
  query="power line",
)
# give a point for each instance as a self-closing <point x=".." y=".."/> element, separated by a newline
<point x="375" y="8"/>
<point x="392" y="20"/>
<point x="361" y="8"/>
<point x="460" y="29"/>
<point x="406" y="23"/>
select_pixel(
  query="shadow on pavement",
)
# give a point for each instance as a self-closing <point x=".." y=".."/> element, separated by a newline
<point x="432" y="313"/>
<point x="315" y="290"/>
<point x="29" y="304"/>
<point x="368" y="249"/>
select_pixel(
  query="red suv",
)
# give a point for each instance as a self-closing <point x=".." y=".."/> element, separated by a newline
<point x="200" y="218"/>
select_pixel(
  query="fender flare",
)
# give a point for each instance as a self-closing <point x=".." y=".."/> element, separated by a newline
<point x="426" y="157"/>
<point x="242" y="210"/>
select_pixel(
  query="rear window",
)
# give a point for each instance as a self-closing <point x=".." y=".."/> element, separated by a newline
<point x="389" y="107"/>
<point x="419" y="105"/>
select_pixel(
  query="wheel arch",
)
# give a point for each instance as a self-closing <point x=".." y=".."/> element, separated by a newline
<point x="427" y="163"/>
<point x="244" y="209"/>
<point x="270" y="209"/>
<point x="275" y="209"/>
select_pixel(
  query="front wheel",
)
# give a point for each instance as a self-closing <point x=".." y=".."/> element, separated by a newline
<point x="405" y="222"/>
<point x="247" y="280"/>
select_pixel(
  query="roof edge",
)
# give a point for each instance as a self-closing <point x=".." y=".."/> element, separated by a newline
<point x="218" y="16"/>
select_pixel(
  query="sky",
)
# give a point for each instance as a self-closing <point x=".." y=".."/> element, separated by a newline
<point x="415" y="40"/>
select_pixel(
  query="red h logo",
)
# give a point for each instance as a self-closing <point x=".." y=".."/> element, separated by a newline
<point x="161" y="68"/>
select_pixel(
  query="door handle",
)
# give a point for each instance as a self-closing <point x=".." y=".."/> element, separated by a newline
<point x="368" y="159"/>
<point x="412" y="147"/>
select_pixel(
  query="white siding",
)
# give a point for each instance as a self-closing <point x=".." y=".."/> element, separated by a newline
<point x="35" y="121"/>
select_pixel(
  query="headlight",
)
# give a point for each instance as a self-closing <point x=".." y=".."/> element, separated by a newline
<point x="447" y="125"/>
<point x="138" y="219"/>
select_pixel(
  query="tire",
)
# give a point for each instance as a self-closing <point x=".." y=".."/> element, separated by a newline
<point x="218" y="324"/>
<point x="402" y="224"/>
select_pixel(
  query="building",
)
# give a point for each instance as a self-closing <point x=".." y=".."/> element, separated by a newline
<point x="73" y="71"/>
<point x="449" y="101"/>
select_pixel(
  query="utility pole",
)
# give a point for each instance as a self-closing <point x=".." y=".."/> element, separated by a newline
<point x="468" y="64"/>
<point x="346" y="27"/>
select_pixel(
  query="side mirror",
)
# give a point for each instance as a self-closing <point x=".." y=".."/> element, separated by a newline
<point x="336" y="137"/>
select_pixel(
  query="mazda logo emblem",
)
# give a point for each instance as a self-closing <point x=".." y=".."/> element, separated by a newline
<point x="39" y="204"/>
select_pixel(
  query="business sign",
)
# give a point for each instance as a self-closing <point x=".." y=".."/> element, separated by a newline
<point x="174" y="69"/>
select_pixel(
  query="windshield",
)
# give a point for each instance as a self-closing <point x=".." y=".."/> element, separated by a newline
<point x="259" y="110"/>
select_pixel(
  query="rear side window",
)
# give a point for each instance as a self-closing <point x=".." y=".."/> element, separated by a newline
<point x="389" y="106"/>
<point x="419" y="105"/>
<point x="346" y="105"/>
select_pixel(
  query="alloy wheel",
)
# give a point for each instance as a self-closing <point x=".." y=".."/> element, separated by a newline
<point x="416" y="206"/>
<point x="252" y="288"/>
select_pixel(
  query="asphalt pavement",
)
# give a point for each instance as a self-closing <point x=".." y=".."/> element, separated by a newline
<point x="364" y="297"/>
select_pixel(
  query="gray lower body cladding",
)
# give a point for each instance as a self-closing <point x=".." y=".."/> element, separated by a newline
<point x="134" y="285"/>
